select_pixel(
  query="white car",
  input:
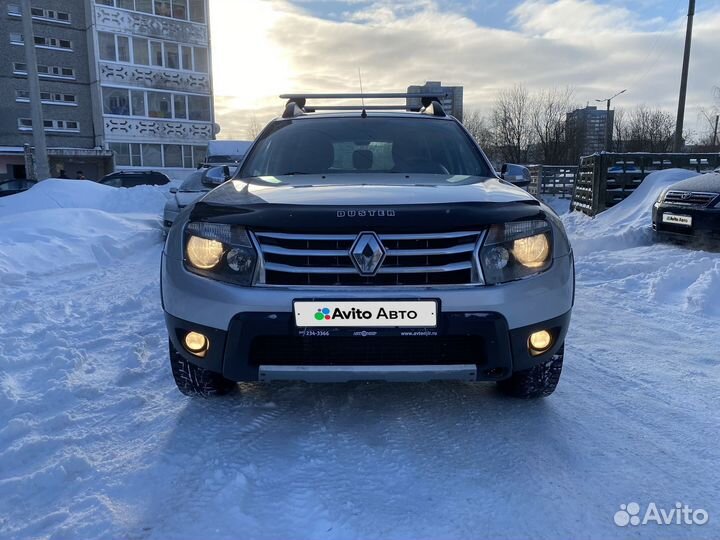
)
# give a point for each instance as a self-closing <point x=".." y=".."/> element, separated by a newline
<point x="193" y="187"/>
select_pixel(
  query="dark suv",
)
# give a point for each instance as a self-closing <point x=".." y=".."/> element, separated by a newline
<point x="129" y="179"/>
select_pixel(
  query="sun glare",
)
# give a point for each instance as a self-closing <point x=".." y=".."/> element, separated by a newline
<point x="248" y="64"/>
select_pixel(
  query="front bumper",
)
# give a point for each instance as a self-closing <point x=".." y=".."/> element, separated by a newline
<point x="705" y="223"/>
<point x="266" y="346"/>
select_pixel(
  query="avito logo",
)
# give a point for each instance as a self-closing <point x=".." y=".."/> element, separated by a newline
<point x="364" y="314"/>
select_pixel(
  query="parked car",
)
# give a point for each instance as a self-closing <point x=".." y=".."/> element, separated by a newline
<point x="128" y="179"/>
<point x="367" y="246"/>
<point x="226" y="153"/>
<point x="193" y="187"/>
<point x="14" y="185"/>
<point x="689" y="209"/>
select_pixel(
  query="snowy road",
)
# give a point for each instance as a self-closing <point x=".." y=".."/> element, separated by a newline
<point x="95" y="441"/>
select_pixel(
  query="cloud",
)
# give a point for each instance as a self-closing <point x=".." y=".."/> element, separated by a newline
<point x="594" y="47"/>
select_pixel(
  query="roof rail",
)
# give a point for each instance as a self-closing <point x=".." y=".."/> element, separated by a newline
<point x="296" y="103"/>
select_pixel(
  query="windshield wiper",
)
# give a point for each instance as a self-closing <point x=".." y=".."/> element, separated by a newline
<point x="293" y="173"/>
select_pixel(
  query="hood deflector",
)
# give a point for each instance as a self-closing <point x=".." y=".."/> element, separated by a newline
<point x="396" y="218"/>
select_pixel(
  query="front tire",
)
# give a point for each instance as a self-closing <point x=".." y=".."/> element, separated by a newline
<point x="193" y="380"/>
<point x="536" y="382"/>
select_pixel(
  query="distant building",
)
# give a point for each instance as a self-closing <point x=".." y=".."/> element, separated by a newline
<point x="452" y="101"/>
<point x="587" y="130"/>
<point x="124" y="84"/>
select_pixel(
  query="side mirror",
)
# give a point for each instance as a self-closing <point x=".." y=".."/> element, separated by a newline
<point x="503" y="169"/>
<point x="173" y="190"/>
<point x="216" y="176"/>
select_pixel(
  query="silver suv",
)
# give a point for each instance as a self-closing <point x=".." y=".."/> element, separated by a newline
<point x="367" y="245"/>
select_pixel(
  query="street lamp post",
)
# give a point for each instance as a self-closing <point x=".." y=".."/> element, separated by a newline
<point x="608" y="125"/>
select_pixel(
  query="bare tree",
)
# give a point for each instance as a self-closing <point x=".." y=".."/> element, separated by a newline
<point x="620" y="128"/>
<point x="650" y="130"/>
<point x="253" y="128"/>
<point x="548" y="118"/>
<point x="479" y="127"/>
<point x="511" y="124"/>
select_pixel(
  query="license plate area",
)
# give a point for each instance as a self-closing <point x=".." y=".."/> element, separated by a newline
<point x="677" y="219"/>
<point x="328" y="314"/>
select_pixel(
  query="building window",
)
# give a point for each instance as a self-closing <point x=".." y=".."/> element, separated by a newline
<point x="157" y="155"/>
<point x="172" y="56"/>
<point x="48" y="98"/>
<point x="197" y="11"/>
<point x="180" y="106"/>
<point x="123" y="48"/>
<point x="201" y="59"/>
<point x="137" y="99"/>
<point x="152" y="155"/>
<point x="173" y="155"/>
<point x="140" y="51"/>
<point x="106" y="43"/>
<point x="199" y="108"/>
<point x="53" y="72"/>
<point x="116" y="101"/>
<point x="186" y="61"/>
<point x="25" y="124"/>
<point x="193" y="10"/>
<point x="53" y="43"/>
<point x="42" y="41"/>
<point x="163" y="8"/>
<point x="144" y="5"/>
<point x="156" y="54"/>
<point x="159" y="105"/>
<point x="179" y="9"/>
<point x="122" y="153"/>
<point x="49" y="15"/>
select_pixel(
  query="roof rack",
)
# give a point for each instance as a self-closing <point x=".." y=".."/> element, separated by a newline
<point x="296" y="103"/>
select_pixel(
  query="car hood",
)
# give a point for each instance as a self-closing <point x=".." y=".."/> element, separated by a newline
<point x="389" y="203"/>
<point x="709" y="183"/>
<point x="373" y="189"/>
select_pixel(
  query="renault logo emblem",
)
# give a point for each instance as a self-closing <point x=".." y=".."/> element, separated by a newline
<point x="367" y="253"/>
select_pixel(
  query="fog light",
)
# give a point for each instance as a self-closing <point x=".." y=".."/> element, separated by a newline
<point x="539" y="342"/>
<point x="196" y="343"/>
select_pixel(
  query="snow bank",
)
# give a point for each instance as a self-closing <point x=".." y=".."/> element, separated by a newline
<point x="627" y="224"/>
<point x="54" y="193"/>
<point x="615" y="250"/>
<point x="68" y="225"/>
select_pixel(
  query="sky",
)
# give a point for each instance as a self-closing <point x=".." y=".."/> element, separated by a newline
<point x="262" y="48"/>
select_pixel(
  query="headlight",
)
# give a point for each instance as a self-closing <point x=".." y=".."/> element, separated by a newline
<point x="220" y="251"/>
<point x="516" y="250"/>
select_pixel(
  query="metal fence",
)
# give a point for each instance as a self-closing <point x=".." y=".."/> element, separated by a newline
<point x="554" y="180"/>
<point x="605" y="179"/>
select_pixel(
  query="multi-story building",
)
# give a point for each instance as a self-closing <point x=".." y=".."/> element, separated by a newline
<point x="452" y="100"/>
<point x="587" y="130"/>
<point x="124" y="83"/>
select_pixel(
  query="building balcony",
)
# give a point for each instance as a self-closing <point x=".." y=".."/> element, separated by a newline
<point x="150" y="77"/>
<point x="157" y="130"/>
<point x="109" y="19"/>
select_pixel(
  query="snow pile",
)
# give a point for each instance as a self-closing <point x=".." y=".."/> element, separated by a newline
<point x="615" y="250"/>
<point x="627" y="224"/>
<point x="64" y="225"/>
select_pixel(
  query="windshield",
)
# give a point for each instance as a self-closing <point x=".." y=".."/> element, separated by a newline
<point x="364" y="145"/>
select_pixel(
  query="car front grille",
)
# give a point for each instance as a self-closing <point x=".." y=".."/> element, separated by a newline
<point x="371" y="350"/>
<point x="411" y="259"/>
<point x="689" y="198"/>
